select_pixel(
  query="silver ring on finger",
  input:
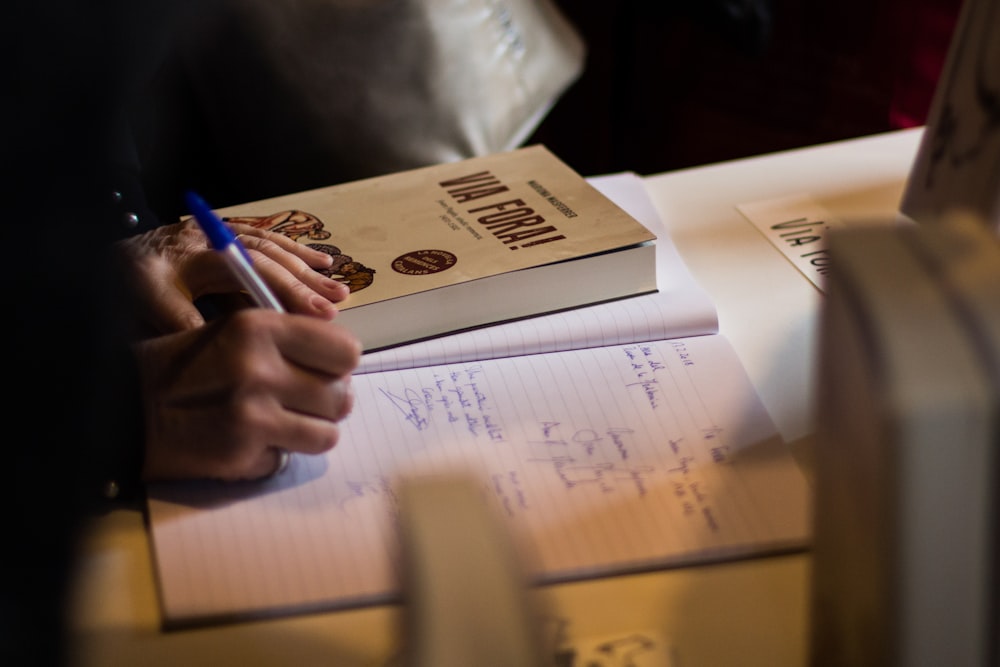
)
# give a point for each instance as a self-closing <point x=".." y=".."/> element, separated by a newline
<point x="284" y="458"/>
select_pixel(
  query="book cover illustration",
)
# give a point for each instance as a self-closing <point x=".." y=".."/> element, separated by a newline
<point x="309" y="229"/>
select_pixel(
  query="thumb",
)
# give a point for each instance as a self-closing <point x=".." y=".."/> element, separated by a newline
<point x="175" y="311"/>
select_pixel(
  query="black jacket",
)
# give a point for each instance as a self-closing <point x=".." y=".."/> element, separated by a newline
<point x="72" y="72"/>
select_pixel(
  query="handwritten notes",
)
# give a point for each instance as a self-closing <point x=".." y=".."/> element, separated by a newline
<point x="656" y="316"/>
<point x="601" y="460"/>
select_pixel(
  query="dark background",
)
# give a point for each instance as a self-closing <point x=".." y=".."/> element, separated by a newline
<point x="667" y="84"/>
<point x="672" y="84"/>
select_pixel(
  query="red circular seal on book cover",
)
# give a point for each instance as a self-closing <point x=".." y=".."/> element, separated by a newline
<point x="423" y="262"/>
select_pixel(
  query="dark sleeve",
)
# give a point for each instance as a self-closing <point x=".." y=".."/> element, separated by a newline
<point x="72" y="410"/>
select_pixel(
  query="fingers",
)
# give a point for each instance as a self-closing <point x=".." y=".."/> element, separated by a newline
<point x="314" y="258"/>
<point x="161" y="303"/>
<point x="308" y="394"/>
<point x="321" y="347"/>
<point x="290" y="268"/>
<point x="176" y="311"/>
<point x="221" y="399"/>
<point x="307" y="434"/>
<point x="313" y="384"/>
<point x="288" y="431"/>
<point x="299" y="288"/>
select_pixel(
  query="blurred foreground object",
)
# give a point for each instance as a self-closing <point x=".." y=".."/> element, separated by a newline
<point x="906" y="523"/>
<point x="297" y="94"/>
<point x="464" y="592"/>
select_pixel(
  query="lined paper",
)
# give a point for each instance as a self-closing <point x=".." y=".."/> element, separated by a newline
<point x="601" y="461"/>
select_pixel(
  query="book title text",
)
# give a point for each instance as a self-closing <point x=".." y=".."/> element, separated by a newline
<point x="511" y="221"/>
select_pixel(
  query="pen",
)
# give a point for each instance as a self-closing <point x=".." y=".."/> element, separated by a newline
<point x="222" y="240"/>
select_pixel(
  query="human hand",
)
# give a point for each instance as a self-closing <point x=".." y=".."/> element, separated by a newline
<point x="223" y="400"/>
<point x="169" y="267"/>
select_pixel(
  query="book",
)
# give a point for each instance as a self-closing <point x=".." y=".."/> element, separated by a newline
<point x="958" y="161"/>
<point x="601" y="458"/>
<point x="679" y="307"/>
<point x="463" y="244"/>
<point x="906" y="552"/>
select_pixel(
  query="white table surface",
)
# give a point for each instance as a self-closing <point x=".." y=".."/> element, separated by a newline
<point x="746" y="613"/>
<point x="767" y="308"/>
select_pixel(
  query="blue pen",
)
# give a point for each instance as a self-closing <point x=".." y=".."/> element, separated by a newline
<point x="222" y="239"/>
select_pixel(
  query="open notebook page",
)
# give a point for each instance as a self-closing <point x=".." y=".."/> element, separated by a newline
<point x="601" y="461"/>
<point x="680" y="307"/>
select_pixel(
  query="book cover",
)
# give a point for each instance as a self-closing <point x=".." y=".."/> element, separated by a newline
<point x="679" y="308"/>
<point x="463" y="244"/>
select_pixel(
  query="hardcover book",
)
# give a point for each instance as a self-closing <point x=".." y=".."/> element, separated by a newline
<point x="463" y="244"/>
